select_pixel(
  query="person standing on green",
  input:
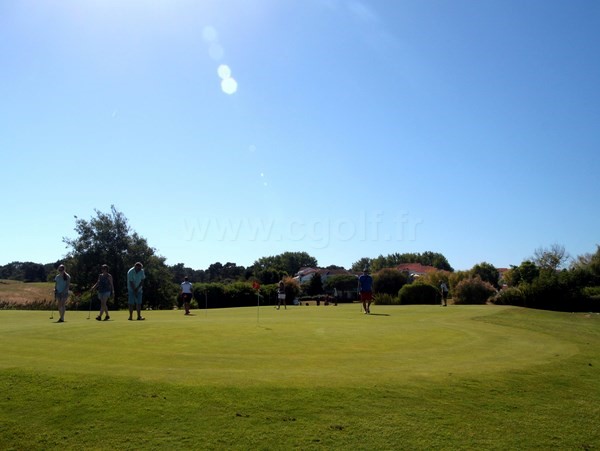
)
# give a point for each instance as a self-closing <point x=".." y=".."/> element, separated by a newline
<point x="365" y="290"/>
<point x="135" y="280"/>
<point x="105" y="290"/>
<point x="61" y="291"/>
<point x="186" y="294"/>
<point x="444" y="291"/>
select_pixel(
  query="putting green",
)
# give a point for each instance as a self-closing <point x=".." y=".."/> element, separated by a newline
<point x="301" y="346"/>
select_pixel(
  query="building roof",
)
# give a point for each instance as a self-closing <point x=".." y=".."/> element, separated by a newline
<point x="416" y="268"/>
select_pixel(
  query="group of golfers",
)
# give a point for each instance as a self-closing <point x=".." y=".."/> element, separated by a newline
<point x="105" y="288"/>
<point x="135" y="280"/>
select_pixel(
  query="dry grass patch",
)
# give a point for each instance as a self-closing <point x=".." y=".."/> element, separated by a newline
<point x="15" y="294"/>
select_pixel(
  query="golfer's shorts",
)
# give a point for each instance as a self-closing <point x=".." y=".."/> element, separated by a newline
<point x="186" y="297"/>
<point x="281" y="297"/>
<point x="366" y="295"/>
<point x="134" y="298"/>
<point x="103" y="295"/>
<point x="62" y="296"/>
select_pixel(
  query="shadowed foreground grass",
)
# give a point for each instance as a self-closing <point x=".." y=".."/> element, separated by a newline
<point x="415" y="377"/>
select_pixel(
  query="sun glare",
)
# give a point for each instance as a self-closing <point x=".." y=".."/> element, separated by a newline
<point x="229" y="86"/>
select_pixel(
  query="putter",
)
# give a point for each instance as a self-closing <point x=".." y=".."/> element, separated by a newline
<point x="52" y="307"/>
<point x="90" y="311"/>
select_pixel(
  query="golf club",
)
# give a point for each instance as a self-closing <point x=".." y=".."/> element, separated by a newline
<point x="52" y="307"/>
<point x="90" y="311"/>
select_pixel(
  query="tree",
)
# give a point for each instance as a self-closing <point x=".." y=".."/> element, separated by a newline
<point x="526" y="272"/>
<point x="288" y="262"/>
<point x="551" y="259"/>
<point x="472" y="291"/>
<point x="24" y="271"/>
<point x="292" y="289"/>
<point x="269" y="275"/>
<point x="435" y="278"/>
<point x="486" y="272"/>
<point x="588" y="262"/>
<point x="315" y="285"/>
<point x="427" y="258"/>
<point x="108" y="239"/>
<point x="215" y="272"/>
<point x="389" y="281"/>
<point x="231" y="271"/>
<point x="436" y="260"/>
<point x="361" y="264"/>
<point x="341" y="282"/>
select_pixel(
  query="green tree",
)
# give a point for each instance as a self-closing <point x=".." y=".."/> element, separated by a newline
<point x="24" y="271"/>
<point x="486" y="272"/>
<point x="359" y="265"/>
<point x="315" y="285"/>
<point x="526" y="272"/>
<point x="288" y="262"/>
<point x="269" y="275"/>
<point x="108" y="239"/>
<point x="427" y="258"/>
<point x="341" y="282"/>
<point x="292" y="289"/>
<point x="472" y="291"/>
<point x="178" y="272"/>
<point x="587" y="267"/>
<point x="418" y="293"/>
<point x="389" y="281"/>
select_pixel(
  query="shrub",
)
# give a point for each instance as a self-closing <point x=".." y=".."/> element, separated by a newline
<point x="472" y="291"/>
<point x="341" y="282"/>
<point x="592" y="292"/>
<point x="209" y="295"/>
<point x="240" y="294"/>
<point x="389" y="281"/>
<point x="418" y="293"/>
<point x="510" y="296"/>
<point x="385" y="299"/>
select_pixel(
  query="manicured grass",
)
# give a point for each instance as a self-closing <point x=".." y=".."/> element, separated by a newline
<point x="409" y="377"/>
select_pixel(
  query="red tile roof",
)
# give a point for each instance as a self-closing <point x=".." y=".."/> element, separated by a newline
<point x="416" y="268"/>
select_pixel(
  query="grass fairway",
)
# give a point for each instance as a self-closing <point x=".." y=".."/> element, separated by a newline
<point x="410" y="377"/>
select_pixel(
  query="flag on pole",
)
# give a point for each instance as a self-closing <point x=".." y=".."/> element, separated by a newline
<point x="256" y="285"/>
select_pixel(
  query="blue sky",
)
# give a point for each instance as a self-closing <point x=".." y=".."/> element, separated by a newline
<point x="235" y="129"/>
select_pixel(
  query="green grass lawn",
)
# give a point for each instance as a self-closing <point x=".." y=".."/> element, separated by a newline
<point x="409" y="377"/>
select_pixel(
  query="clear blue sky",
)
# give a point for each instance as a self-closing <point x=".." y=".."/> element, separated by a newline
<point x="235" y="129"/>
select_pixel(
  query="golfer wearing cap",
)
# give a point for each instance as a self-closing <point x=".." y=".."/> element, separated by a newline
<point x="135" y="279"/>
<point x="365" y="289"/>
